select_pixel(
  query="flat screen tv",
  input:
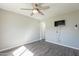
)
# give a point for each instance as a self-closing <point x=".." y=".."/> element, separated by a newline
<point x="58" y="23"/>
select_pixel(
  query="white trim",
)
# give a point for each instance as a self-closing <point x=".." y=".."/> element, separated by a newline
<point x="63" y="45"/>
<point x="17" y="45"/>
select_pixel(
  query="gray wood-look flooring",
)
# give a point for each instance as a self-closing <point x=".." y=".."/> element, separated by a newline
<point x="42" y="48"/>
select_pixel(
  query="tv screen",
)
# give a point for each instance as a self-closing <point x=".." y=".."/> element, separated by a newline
<point x="58" y="23"/>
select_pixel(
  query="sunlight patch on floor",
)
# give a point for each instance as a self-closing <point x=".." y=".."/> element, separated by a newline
<point x="22" y="51"/>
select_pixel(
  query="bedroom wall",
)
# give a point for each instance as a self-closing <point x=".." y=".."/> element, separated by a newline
<point x="66" y="35"/>
<point x="16" y="30"/>
<point x="42" y="30"/>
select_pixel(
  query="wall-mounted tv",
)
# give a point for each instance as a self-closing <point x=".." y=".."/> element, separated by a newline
<point x="58" y="23"/>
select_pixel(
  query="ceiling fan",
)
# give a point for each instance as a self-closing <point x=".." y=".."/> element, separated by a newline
<point x="36" y="8"/>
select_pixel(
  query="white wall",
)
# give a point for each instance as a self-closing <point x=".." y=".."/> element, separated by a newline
<point x="42" y="30"/>
<point x="69" y="36"/>
<point x="16" y="30"/>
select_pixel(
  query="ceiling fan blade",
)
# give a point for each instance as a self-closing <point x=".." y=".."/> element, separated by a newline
<point x="40" y="4"/>
<point x="25" y="9"/>
<point x="35" y="5"/>
<point x="43" y="7"/>
<point x="40" y="12"/>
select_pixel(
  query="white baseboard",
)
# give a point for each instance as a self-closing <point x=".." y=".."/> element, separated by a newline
<point x="17" y="45"/>
<point x="63" y="45"/>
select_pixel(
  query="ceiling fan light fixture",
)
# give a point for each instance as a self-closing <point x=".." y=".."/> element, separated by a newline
<point x="35" y="11"/>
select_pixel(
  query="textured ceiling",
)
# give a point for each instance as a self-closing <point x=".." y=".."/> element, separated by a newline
<point x="54" y="10"/>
